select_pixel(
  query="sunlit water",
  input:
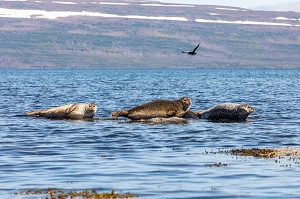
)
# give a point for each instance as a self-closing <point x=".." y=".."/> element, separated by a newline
<point x="152" y="161"/>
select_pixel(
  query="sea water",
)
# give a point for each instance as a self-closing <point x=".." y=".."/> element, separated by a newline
<point x="152" y="161"/>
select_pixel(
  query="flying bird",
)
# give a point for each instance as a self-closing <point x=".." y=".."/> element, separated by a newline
<point x="192" y="52"/>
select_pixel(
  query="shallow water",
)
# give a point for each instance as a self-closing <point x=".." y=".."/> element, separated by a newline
<point x="152" y="161"/>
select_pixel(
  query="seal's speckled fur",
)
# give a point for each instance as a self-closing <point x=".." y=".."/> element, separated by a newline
<point x="71" y="111"/>
<point x="228" y="112"/>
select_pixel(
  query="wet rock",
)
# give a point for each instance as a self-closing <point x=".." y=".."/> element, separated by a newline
<point x="266" y="152"/>
<point x="161" y="120"/>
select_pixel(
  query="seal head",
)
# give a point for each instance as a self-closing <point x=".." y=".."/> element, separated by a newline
<point x="186" y="103"/>
<point x="81" y="111"/>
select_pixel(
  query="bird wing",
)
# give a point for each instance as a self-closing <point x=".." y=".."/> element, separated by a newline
<point x="196" y="48"/>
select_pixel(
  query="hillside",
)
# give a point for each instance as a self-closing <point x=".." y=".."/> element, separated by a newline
<point x="135" y="34"/>
<point x="289" y="6"/>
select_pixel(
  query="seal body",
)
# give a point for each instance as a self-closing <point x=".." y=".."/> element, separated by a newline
<point x="71" y="111"/>
<point x="227" y="112"/>
<point x="157" y="109"/>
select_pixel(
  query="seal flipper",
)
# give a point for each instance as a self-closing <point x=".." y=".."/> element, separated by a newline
<point x="34" y="113"/>
<point x="171" y="113"/>
<point x="191" y="114"/>
<point x="71" y="109"/>
<point x="123" y="113"/>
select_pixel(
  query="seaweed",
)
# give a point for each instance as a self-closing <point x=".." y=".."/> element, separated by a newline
<point x="216" y="165"/>
<point x="86" y="194"/>
<point x="267" y="153"/>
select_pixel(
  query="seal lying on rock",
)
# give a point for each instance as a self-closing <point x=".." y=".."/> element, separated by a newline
<point x="227" y="112"/>
<point x="71" y="111"/>
<point x="158" y="108"/>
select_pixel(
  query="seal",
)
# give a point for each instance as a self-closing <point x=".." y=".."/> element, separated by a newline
<point x="192" y="114"/>
<point x="157" y="109"/>
<point x="227" y="112"/>
<point x="70" y="111"/>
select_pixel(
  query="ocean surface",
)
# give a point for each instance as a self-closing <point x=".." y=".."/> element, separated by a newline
<point x="165" y="161"/>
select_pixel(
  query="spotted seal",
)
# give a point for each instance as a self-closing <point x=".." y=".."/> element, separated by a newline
<point x="70" y="111"/>
<point x="158" y="108"/>
<point x="227" y="112"/>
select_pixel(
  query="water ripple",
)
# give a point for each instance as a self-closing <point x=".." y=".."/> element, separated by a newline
<point x="153" y="161"/>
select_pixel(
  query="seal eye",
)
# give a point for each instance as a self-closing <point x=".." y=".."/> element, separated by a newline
<point x="92" y="106"/>
<point x="186" y="100"/>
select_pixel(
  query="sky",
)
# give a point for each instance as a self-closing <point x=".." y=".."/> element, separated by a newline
<point x="238" y="3"/>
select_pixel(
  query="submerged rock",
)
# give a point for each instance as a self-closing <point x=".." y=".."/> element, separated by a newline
<point x="156" y="120"/>
<point x="161" y="120"/>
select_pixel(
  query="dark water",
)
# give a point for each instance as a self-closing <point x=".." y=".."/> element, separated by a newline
<point x="152" y="161"/>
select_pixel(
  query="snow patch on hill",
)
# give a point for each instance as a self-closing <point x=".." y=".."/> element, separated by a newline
<point x="64" y="2"/>
<point x="243" y="22"/>
<point x="18" y="13"/>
